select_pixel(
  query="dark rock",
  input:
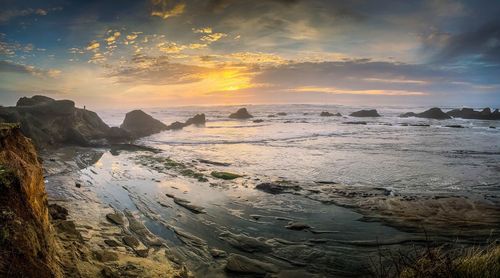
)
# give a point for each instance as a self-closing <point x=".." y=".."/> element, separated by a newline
<point x="365" y="113"/>
<point x="198" y="119"/>
<point x="281" y="114"/>
<point x="258" y="121"/>
<point x="328" y="114"/>
<point x="469" y="113"/>
<point x="242" y="113"/>
<point x="455" y="126"/>
<point x="425" y="125"/>
<point x="216" y="253"/>
<point x="117" y="134"/>
<point x="354" y="123"/>
<point x="276" y="188"/>
<point x="115" y="218"/>
<point x="58" y="212"/>
<point x="297" y="226"/>
<point x="143" y="253"/>
<point x="131" y="241"/>
<point x="112" y="243"/>
<point x="241" y="264"/>
<point x="176" y="126"/>
<point x="492" y="127"/>
<point x="187" y="204"/>
<point x="433" y="113"/>
<point x="271" y="116"/>
<point x="78" y="185"/>
<point x="140" y="124"/>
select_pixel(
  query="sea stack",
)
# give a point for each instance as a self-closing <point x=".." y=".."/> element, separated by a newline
<point x="140" y="124"/>
<point x="242" y="113"/>
<point x="365" y="113"/>
<point x="433" y="113"/>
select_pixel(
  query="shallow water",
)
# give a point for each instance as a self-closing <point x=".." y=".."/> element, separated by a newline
<point x="297" y="147"/>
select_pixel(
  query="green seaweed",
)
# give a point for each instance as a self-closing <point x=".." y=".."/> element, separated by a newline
<point x="225" y="175"/>
<point x="166" y="163"/>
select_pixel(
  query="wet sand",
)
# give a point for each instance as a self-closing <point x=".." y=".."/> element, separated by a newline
<point x="185" y="216"/>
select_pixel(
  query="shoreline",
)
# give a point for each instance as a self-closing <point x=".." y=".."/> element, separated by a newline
<point x="376" y="205"/>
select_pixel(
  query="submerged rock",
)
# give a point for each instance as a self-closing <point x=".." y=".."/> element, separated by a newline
<point x="365" y="113"/>
<point x="433" y="113"/>
<point x="455" y="126"/>
<point x="140" y="124"/>
<point x="225" y="175"/>
<point x="242" y="113"/>
<point x="354" y="123"/>
<point x="258" y="121"/>
<point x="276" y="188"/>
<point x="328" y="114"/>
<point x="281" y="114"/>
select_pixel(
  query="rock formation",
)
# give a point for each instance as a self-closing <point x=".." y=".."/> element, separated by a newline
<point x="52" y="122"/>
<point x="139" y="124"/>
<point x="433" y="113"/>
<point x="27" y="241"/>
<point x="469" y="113"/>
<point x="242" y="113"/>
<point x="365" y="113"/>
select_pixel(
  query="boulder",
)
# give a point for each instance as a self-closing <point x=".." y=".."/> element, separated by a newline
<point x="242" y="113"/>
<point x="365" y="113"/>
<point x="140" y="124"/>
<point x="433" y="113"/>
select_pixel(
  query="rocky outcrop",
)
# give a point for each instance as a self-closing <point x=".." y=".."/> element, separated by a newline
<point x="433" y="113"/>
<point x="469" y="113"/>
<point x="198" y="120"/>
<point x="242" y="113"/>
<point x="53" y="122"/>
<point x="328" y="114"/>
<point x="27" y="242"/>
<point x="139" y="124"/>
<point x="365" y="113"/>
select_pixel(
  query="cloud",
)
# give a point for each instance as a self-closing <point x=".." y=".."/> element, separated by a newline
<point x="204" y="30"/>
<point x="210" y="38"/>
<point x="167" y="8"/>
<point x="9" y="14"/>
<point x="159" y="70"/>
<point x="482" y="43"/>
<point x="93" y="46"/>
<point x="112" y="39"/>
<point x="9" y="67"/>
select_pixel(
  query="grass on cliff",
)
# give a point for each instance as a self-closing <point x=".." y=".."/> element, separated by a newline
<point x="468" y="262"/>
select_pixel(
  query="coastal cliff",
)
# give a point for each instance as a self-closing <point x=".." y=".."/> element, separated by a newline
<point x="27" y="240"/>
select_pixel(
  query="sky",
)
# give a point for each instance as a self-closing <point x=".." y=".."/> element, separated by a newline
<point x="158" y="53"/>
